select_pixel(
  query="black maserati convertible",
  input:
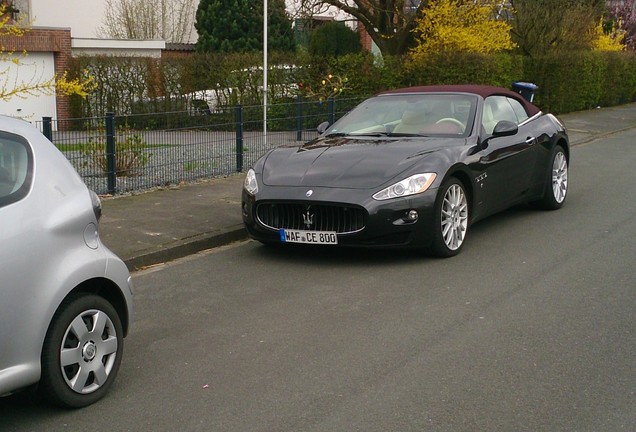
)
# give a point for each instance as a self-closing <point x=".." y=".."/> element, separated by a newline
<point x="410" y="167"/>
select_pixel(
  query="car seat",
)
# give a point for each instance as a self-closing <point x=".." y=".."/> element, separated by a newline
<point x="412" y="122"/>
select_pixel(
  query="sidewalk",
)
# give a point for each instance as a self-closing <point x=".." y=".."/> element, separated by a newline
<point x="154" y="227"/>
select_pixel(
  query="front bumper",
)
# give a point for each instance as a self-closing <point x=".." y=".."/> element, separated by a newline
<point x="386" y="222"/>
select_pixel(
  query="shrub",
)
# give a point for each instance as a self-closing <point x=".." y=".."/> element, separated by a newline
<point x="465" y="68"/>
<point x="130" y="153"/>
<point x="568" y="81"/>
<point x="334" y="39"/>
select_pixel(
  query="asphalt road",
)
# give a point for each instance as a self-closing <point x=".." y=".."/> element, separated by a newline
<point x="531" y="328"/>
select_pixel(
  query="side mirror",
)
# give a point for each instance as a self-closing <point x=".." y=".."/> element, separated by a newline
<point x="502" y="129"/>
<point x="322" y="127"/>
<point x="505" y="128"/>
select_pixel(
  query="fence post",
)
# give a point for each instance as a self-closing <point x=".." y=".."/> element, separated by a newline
<point x="238" y="115"/>
<point x="331" y="106"/>
<point x="47" y="128"/>
<point x="111" y="157"/>
<point x="299" y="118"/>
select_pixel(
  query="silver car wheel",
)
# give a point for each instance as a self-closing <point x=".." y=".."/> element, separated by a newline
<point x="559" y="177"/>
<point x="82" y="351"/>
<point x="88" y="351"/>
<point x="454" y="221"/>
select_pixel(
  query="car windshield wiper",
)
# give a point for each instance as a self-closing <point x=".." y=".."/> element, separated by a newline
<point x="367" y="134"/>
<point x="377" y="134"/>
<point x="400" y="134"/>
<point x="336" y="134"/>
<point x="372" y="134"/>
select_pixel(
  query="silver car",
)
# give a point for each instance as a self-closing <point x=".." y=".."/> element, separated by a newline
<point x="65" y="299"/>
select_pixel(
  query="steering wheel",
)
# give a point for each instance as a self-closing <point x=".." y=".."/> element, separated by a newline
<point x="450" y="120"/>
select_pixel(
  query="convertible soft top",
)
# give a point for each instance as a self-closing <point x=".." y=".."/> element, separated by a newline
<point x="482" y="90"/>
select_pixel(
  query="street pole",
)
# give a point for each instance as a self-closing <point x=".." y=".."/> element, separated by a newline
<point x="265" y="71"/>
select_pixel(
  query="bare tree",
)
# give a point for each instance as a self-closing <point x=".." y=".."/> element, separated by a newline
<point x="390" y="23"/>
<point x="169" y="20"/>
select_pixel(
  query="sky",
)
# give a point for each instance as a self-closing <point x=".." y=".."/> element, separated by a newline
<point x="85" y="17"/>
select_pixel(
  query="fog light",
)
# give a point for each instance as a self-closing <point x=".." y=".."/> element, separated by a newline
<point x="412" y="216"/>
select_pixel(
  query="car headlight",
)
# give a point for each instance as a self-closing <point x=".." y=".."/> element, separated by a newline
<point x="250" y="184"/>
<point x="415" y="184"/>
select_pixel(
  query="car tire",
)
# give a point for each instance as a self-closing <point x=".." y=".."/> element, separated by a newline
<point x="556" y="187"/>
<point x="82" y="351"/>
<point x="450" y="221"/>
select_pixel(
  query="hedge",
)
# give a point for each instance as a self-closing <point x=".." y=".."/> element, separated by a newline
<point x="567" y="82"/>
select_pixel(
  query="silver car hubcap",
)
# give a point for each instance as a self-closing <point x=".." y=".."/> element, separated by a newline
<point x="454" y="217"/>
<point x="559" y="177"/>
<point x="88" y="351"/>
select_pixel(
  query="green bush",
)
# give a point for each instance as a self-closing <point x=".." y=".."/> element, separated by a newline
<point x="282" y="114"/>
<point x="130" y="153"/>
<point x="334" y="39"/>
<point x="619" y="82"/>
<point x="572" y="81"/>
<point x="362" y="75"/>
<point x="466" y="68"/>
<point x="136" y="88"/>
<point x="568" y="81"/>
<point x="120" y="83"/>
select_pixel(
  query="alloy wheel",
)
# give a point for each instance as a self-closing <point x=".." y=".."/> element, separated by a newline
<point x="559" y="177"/>
<point x="454" y="221"/>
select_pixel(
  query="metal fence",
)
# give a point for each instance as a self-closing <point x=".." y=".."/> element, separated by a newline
<point x="118" y="154"/>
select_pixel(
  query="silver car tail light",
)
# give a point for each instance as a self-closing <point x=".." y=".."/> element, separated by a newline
<point x="97" y="205"/>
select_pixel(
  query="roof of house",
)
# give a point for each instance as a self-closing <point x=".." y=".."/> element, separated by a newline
<point x="179" y="47"/>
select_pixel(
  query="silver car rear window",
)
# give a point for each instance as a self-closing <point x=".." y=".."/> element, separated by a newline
<point x="16" y="168"/>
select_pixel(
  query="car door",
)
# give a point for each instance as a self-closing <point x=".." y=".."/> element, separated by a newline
<point x="506" y="163"/>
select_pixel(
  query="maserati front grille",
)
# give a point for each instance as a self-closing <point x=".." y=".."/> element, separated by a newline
<point x="313" y="217"/>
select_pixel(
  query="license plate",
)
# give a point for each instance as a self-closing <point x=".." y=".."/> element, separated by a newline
<point x="308" y="237"/>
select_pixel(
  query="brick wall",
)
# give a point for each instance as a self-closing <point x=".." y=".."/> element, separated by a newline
<point x="57" y="41"/>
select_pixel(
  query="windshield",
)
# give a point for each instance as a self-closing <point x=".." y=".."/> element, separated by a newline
<point x="412" y="114"/>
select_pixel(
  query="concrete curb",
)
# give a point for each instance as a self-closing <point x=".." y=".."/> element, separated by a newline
<point x="165" y="253"/>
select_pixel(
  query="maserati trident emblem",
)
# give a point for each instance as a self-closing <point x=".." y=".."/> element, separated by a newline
<point x="309" y="193"/>
<point x="308" y="219"/>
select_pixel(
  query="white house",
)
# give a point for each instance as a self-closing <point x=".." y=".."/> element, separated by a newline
<point x="60" y="29"/>
<point x="83" y="17"/>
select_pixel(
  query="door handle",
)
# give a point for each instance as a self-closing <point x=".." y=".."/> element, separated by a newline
<point x="531" y="140"/>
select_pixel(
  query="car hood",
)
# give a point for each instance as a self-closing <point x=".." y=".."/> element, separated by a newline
<point x="345" y="162"/>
